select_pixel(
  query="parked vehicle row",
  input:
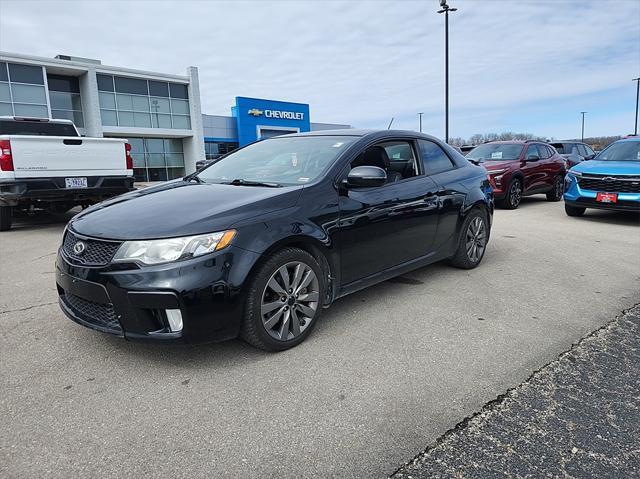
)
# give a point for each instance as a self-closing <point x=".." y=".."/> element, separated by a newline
<point x="46" y="164"/>
<point x="260" y="242"/>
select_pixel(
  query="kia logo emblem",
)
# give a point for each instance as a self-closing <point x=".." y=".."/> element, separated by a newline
<point x="79" y="247"/>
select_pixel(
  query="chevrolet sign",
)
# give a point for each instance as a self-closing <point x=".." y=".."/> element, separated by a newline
<point x="285" y="115"/>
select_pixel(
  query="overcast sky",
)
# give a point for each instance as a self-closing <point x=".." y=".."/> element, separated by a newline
<point x="516" y="65"/>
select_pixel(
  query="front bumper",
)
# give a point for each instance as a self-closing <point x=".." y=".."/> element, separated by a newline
<point x="131" y="301"/>
<point x="583" y="198"/>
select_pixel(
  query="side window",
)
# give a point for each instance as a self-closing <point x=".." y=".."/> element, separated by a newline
<point x="590" y="152"/>
<point x="582" y="151"/>
<point x="401" y="158"/>
<point x="532" y="150"/>
<point x="434" y="159"/>
<point x="544" y="152"/>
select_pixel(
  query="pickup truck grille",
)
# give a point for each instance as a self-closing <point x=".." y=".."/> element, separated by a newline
<point x="613" y="184"/>
<point x="95" y="253"/>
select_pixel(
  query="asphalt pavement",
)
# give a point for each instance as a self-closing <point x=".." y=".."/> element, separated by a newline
<point x="578" y="417"/>
<point x="385" y="373"/>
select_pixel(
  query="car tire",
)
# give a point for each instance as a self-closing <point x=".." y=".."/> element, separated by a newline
<point x="574" y="210"/>
<point x="466" y="257"/>
<point x="514" y="195"/>
<point x="275" y="317"/>
<point x="557" y="190"/>
<point x="6" y="218"/>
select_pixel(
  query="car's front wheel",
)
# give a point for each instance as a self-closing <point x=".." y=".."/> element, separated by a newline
<point x="284" y="300"/>
<point x="558" y="189"/>
<point x="473" y="239"/>
<point x="574" y="210"/>
<point x="514" y="195"/>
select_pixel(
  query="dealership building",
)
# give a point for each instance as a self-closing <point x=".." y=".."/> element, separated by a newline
<point x="159" y="114"/>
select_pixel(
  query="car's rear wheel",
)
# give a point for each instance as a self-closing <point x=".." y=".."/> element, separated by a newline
<point x="574" y="210"/>
<point x="557" y="191"/>
<point x="284" y="300"/>
<point x="473" y="239"/>
<point x="514" y="195"/>
<point x="6" y="218"/>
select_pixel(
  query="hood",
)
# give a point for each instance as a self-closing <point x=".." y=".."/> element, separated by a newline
<point x="180" y="208"/>
<point x="498" y="164"/>
<point x="606" y="167"/>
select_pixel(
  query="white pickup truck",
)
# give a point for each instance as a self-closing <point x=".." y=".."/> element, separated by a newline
<point x="45" y="164"/>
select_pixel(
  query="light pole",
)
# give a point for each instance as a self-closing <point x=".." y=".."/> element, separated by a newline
<point x="420" y="117"/>
<point x="637" y="80"/>
<point x="583" y="113"/>
<point x="446" y="9"/>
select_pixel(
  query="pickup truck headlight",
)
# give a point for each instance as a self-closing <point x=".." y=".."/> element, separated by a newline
<point x="151" y="252"/>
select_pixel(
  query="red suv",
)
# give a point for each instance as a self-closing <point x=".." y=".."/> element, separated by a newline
<point x="521" y="168"/>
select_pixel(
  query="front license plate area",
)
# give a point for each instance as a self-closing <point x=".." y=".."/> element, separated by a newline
<point x="607" y="197"/>
<point x="75" y="182"/>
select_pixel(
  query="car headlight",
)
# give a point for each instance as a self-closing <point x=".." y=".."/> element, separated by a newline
<point x="576" y="174"/>
<point x="496" y="172"/>
<point x="172" y="249"/>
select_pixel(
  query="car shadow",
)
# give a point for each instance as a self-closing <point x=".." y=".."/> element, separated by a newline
<point x="622" y="218"/>
<point x="39" y="219"/>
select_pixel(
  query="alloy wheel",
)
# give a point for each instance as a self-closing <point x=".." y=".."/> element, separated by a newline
<point x="559" y="185"/>
<point x="515" y="194"/>
<point x="290" y="300"/>
<point x="476" y="239"/>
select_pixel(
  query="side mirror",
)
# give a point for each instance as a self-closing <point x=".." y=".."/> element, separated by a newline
<point x="366" y="176"/>
<point x="589" y="157"/>
<point x="533" y="158"/>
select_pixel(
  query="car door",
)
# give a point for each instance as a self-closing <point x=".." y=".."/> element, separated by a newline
<point x="533" y="169"/>
<point x="385" y="226"/>
<point x="549" y="166"/>
<point x="450" y="194"/>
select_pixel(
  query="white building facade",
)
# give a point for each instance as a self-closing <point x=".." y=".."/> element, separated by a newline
<point x="158" y="113"/>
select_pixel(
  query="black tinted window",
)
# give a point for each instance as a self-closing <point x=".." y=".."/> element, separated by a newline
<point x="178" y="91"/>
<point x="544" y="151"/>
<point x="158" y="88"/>
<point x="131" y="85"/>
<point x="105" y="82"/>
<point x="434" y="159"/>
<point x="63" y="83"/>
<point x="3" y="72"/>
<point x="36" y="128"/>
<point x="26" y="74"/>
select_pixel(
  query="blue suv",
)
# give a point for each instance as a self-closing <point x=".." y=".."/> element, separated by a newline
<point x="610" y="181"/>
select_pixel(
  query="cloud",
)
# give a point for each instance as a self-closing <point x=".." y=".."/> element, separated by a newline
<point x="359" y="62"/>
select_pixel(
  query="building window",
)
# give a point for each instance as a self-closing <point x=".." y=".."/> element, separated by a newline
<point x="157" y="159"/>
<point x="22" y="91"/>
<point x="215" y="149"/>
<point x="64" y="95"/>
<point x="143" y="103"/>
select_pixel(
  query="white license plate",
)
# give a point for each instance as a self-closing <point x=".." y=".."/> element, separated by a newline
<point x="75" y="182"/>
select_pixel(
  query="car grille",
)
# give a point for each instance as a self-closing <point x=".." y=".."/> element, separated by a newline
<point x="96" y="252"/>
<point x="98" y="314"/>
<point x="609" y="183"/>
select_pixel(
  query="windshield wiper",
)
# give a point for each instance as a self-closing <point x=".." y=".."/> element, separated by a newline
<point x="243" y="182"/>
<point x="196" y="178"/>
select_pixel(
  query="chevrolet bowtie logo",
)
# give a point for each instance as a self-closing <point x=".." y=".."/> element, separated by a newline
<point x="255" y="112"/>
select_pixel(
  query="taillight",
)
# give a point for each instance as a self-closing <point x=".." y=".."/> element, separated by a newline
<point x="127" y="154"/>
<point x="6" y="160"/>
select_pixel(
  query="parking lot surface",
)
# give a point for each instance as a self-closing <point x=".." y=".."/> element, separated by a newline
<point x="385" y="373"/>
<point x="579" y="416"/>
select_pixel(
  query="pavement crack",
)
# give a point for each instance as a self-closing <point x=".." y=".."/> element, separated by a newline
<point x="7" y="311"/>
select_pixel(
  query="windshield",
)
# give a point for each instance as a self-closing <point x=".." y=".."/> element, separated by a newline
<point x="284" y="161"/>
<point x="36" y="128"/>
<point x="496" y="151"/>
<point x="621" y="151"/>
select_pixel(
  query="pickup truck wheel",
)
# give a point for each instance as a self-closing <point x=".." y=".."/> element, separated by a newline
<point x="6" y="218"/>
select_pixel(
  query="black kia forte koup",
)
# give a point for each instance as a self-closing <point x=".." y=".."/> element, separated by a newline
<point x="257" y="244"/>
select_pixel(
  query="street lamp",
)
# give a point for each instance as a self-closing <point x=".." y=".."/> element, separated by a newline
<point x="446" y="9"/>
<point x="420" y="117"/>
<point x="637" y="80"/>
<point x="583" y="113"/>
